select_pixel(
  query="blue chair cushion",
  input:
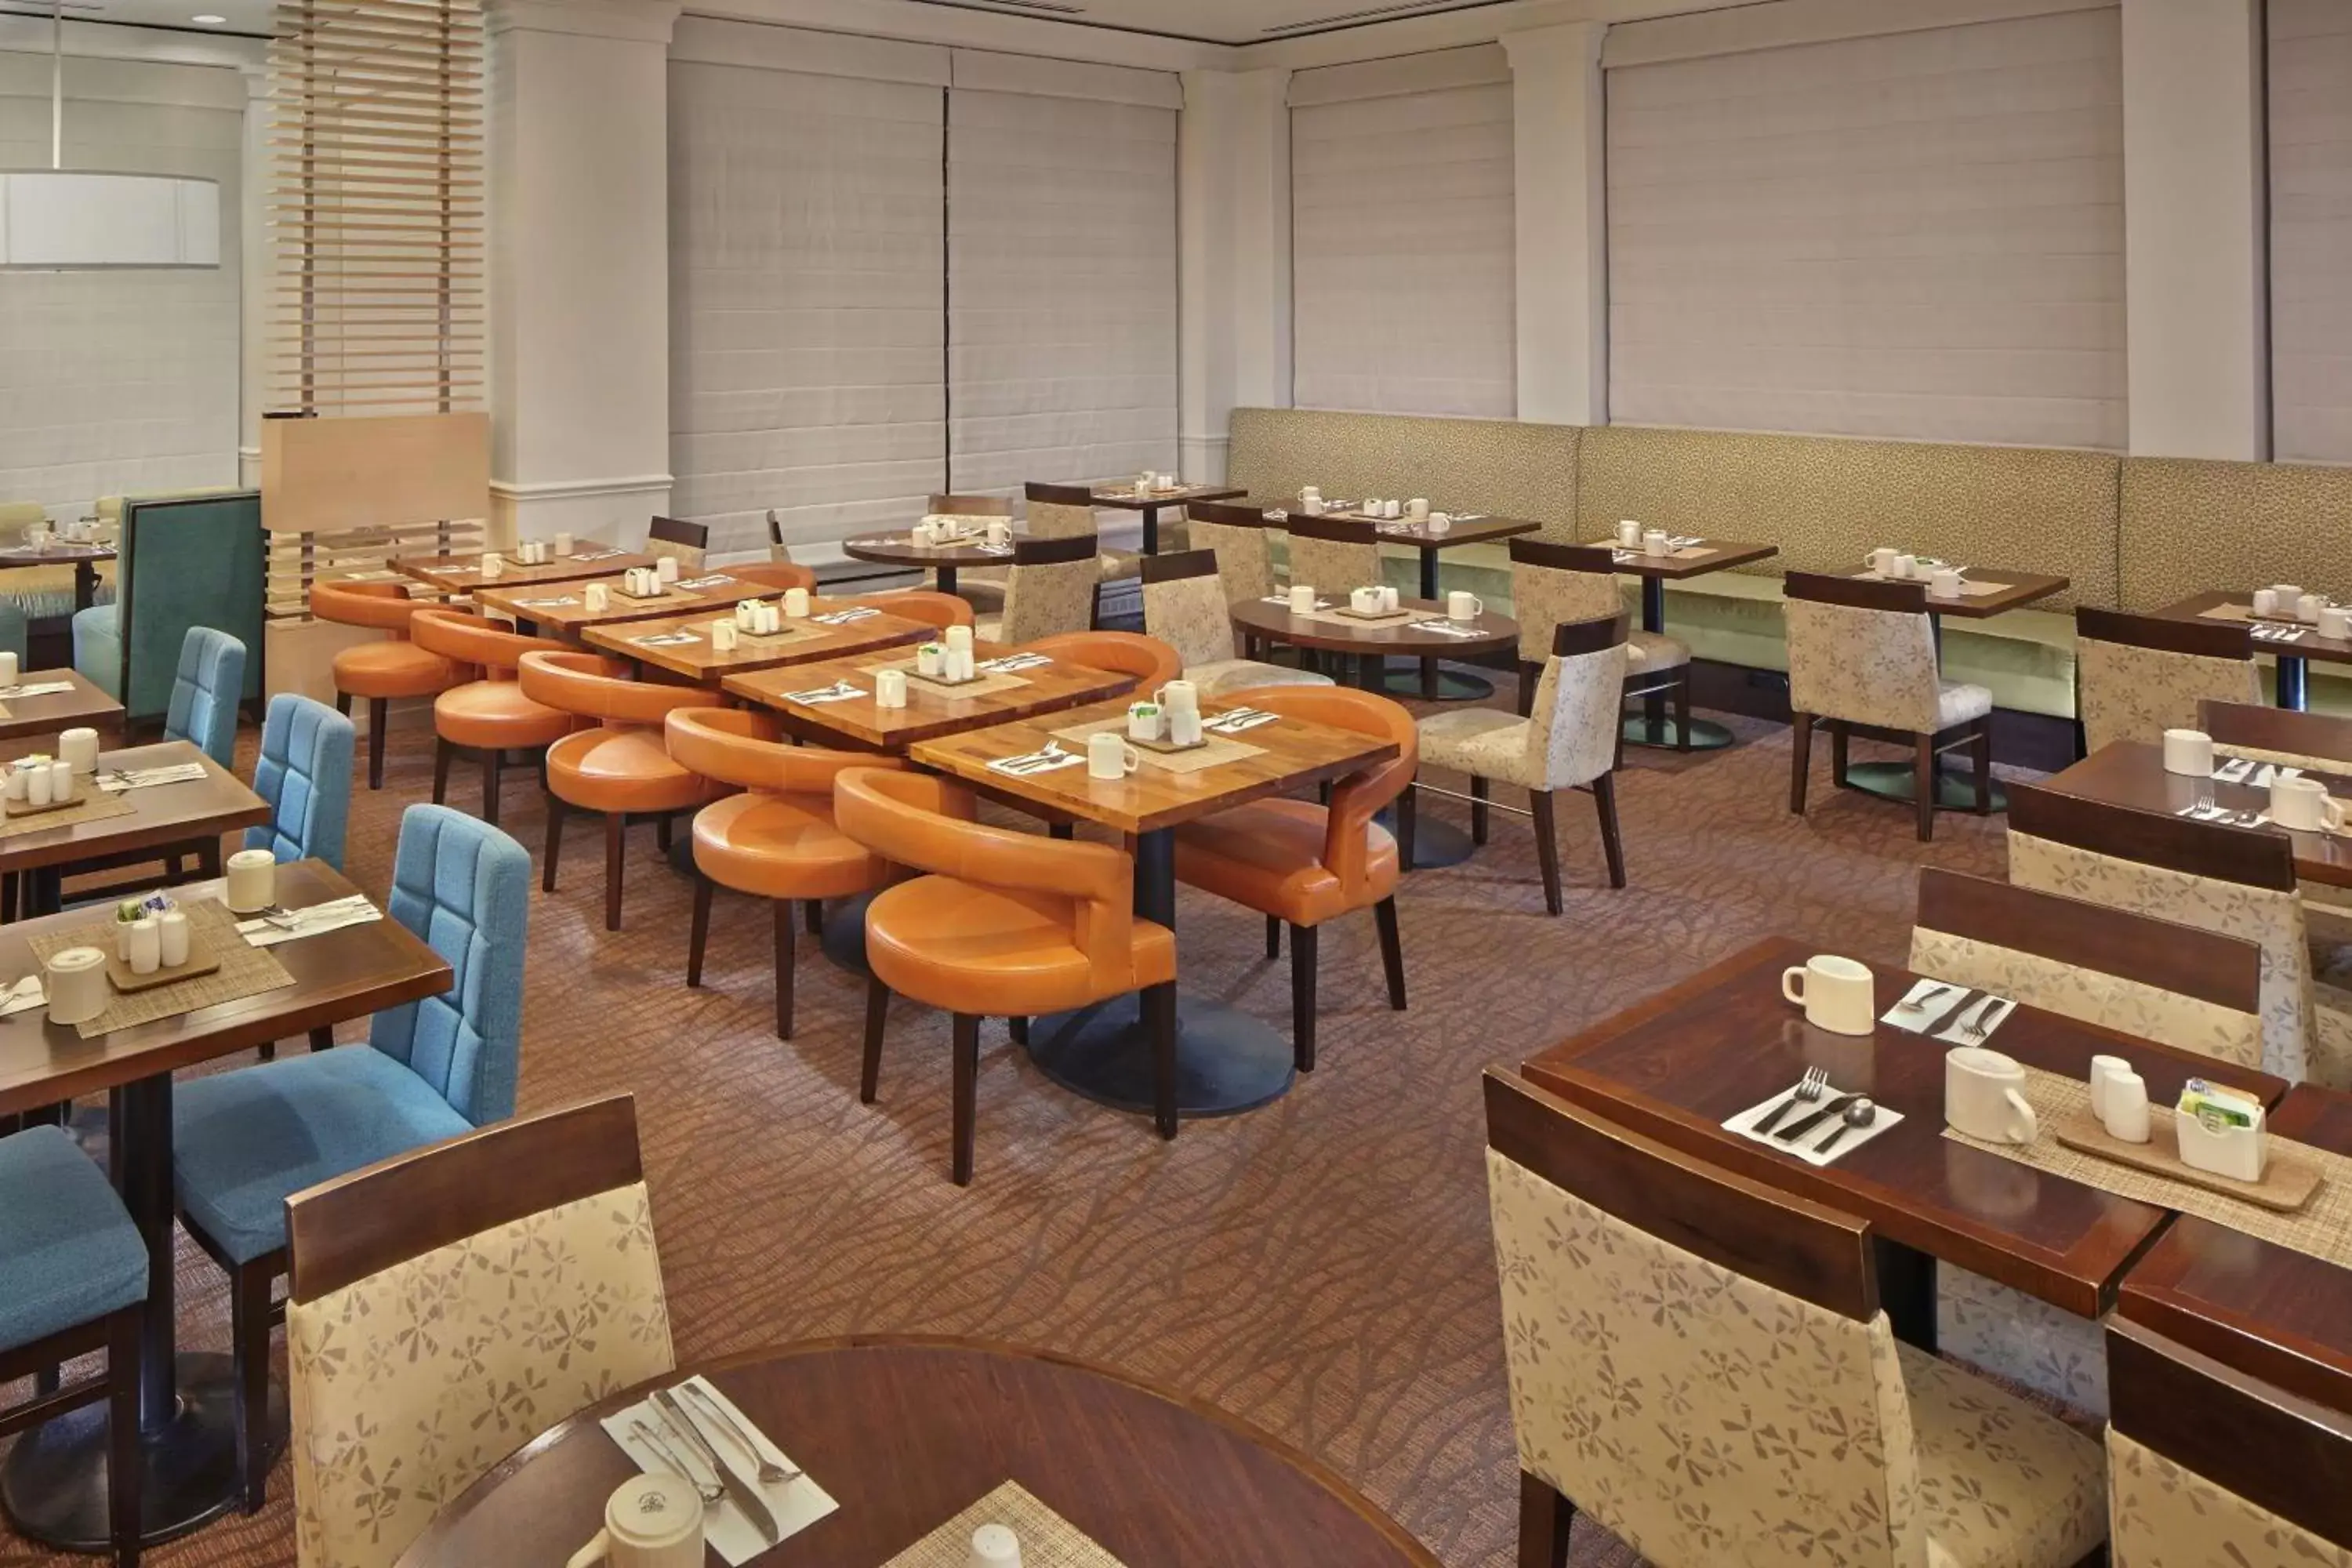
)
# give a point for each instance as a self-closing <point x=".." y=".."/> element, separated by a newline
<point x="98" y="647"/>
<point x="68" y="1252"/>
<point x="245" y="1142"/>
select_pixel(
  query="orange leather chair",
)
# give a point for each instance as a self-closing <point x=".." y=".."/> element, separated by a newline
<point x="775" y="576"/>
<point x="1006" y="924"/>
<point x="941" y="610"/>
<point x="621" y="767"/>
<point x="380" y="671"/>
<point x="776" y="840"/>
<point x="1153" y="662"/>
<point x="490" y="715"/>
<point x="1303" y="864"/>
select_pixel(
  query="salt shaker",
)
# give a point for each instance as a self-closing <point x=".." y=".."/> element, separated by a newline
<point x="172" y="937"/>
<point x="61" y="780"/>
<point x="146" y="945"/>
<point x="994" y="1546"/>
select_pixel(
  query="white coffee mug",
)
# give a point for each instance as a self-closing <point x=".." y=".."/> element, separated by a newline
<point x="1302" y="599"/>
<point x="1309" y="492"/>
<point x="252" y="882"/>
<point x="1943" y="584"/>
<point x="79" y="747"/>
<point x="1439" y="522"/>
<point x="890" y="689"/>
<point x="1629" y="533"/>
<point x="2125" y="1113"/>
<point x="2286" y="593"/>
<point x="2103" y="1070"/>
<point x="2334" y="622"/>
<point x="1365" y="601"/>
<point x="1837" y="993"/>
<point x="2299" y="802"/>
<point x="2265" y="601"/>
<point x="564" y="545"/>
<point x="1108" y="756"/>
<point x="1464" y="607"/>
<point x="1312" y="506"/>
<point x="927" y="532"/>
<point x="994" y="1546"/>
<point x="1179" y="696"/>
<point x="796" y="604"/>
<point x="1000" y="532"/>
<point x="1984" y="1096"/>
<point x="2189" y="753"/>
<point x="666" y="569"/>
<point x="1417" y="509"/>
<point x="493" y="565"/>
<point x="959" y="639"/>
<point x="650" y="1521"/>
<point x="2307" y="609"/>
<point x="74" y="980"/>
<point x="725" y="636"/>
<point x="7" y="669"/>
<point x="1882" y="560"/>
<point x="597" y="598"/>
<point x="1653" y="542"/>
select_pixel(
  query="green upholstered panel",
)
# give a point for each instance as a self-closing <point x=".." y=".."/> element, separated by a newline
<point x="1500" y="467"/>
<point x="187" y="562"/>
<point x="1827" y="502"/>
<point x="2192" y="525"/>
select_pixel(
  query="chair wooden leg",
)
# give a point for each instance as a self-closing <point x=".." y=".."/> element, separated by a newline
<point x="248" y="1333"/>
<point x="1539" y="809"/>
<point x="617" y="838"/>
<point x="343" y="703"/>
<point x="442" y="752"/>
<point x="1980" y="754"/>
<point x="1273" y="936"/>
<point x="379" y="708"/>
<point x="784" y="969"/>
<point x="1528" y="675"/>
<point x="1923" y="783"/>
<point x="323" y="1038"/>
<point x="1385" y="915"/>
<point x="554" y="844"/>
<point x="966" y="1050"/>
<point x="267" y="1051"/>
<point x="1604" y="801"/>
<point x="661" y="832"/>
<point x="1479" y="812"/>
<point x="1800" y="760"/>
<point x="1840" y="745"/>
<point x="877" y="1013"/>
<point x="697" y="931"/>
<point x="1544" y="1520"/>
<point x="122" y="1452"/>
<point x="1159" y="1016"/>
<point x="1682" y="712"/>
<point x="1302" y="997"/>
<point x="1407" y="817"/>
<point x="491" y="761"/>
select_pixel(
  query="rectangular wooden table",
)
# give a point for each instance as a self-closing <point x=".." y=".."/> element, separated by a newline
<point x="560" y="609"/>
<point x="2130" y="775"/>
<point x="703" y="663"/>
<point x="1676" y="1066"/>
<point x="2293" y="668"/>
<point x="187" y="818"/>
<point x="48" y="714"/>
<point x="1128" y="498"/>
<point x="2015" y="589"/>
<point x="463" y="574"/>
<point x="930" y="710"/>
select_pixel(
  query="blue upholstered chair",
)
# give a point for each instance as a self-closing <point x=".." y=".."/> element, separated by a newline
<point x="73" y="1280"/>
<point x="245" y="1140"/>
<point x="205" y="692"/>
<point x="189" y="560"/>
<point x="14" y="631"/>
<point x="305" y="774"/>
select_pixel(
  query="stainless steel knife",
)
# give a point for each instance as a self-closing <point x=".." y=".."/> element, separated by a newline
<point x="1804" y="1124"/>
<point x="744" y="1494"/>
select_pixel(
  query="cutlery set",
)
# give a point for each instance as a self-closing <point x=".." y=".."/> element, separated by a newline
<point x="1041" y="762"/>
<point x="1012" y="661"/>
<point x="839" y="691"/>
<point x="1960" y="1013"/>
<point x="140" y="778"/>
<point x="2263" y="632"/>
<point x="680" y="1437"/>
<point x="845" y="617"/>
<point x="1818" y="1105"/>
<point x="1235" y="720"/>
<point x="1448" y="627"/>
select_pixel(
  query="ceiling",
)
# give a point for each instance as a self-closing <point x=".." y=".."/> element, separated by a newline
<point x="255" y="17"/>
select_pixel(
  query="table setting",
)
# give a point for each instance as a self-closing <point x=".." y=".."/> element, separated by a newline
<point x="2295" y="800"/>
<point x="751" y="1495"/>
<point x="116" y="780"/>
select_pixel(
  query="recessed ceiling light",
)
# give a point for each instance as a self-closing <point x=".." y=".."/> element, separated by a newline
<point x="208" y="20"/>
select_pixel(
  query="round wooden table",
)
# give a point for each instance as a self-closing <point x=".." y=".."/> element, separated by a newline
<point x="82" y="555"/>
<point x="908" y="1433"/>
<point x="901" y="549"/>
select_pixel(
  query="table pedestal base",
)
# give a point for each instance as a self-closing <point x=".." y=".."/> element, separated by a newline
<point x="1450" y="685"/>
<point x="54" y="1484"/>
<point x="1706" y="734"/>
<point x="1892" y="781"/>
<point x="1226" y="1062"/>
<point x="844" y="932"/>
<point x="1436" y="843"/>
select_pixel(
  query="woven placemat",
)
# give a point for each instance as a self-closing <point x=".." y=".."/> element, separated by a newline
<point x="1214" y="752"/>
<point x="1047" y="1540"/>
<point x="96" y="806"/>
<point x="987" y="683"/>
<point x="2322" y="1227"/>
<point x="1387" y="623"/>
<point x="245" y="970"/>
<point x="1970" y="587"/>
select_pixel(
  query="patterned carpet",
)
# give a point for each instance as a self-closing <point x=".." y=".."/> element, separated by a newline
<point x="1321" y="1266"/>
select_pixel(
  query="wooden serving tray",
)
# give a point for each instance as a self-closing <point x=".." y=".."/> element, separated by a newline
<point x="1355" y="615"/>
<point x="661" y="593"/>
<point x="27" y="808"/>
<point x="202" y="961"/>
<point x="1165" y="748"/>
<point x="2287" y="1184"/>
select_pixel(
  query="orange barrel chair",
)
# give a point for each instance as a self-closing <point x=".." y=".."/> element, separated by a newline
<point x="1303" y="864"/>
<point x="1004" y="924"/>
<point x="621" y="766"/>
<point x="774" y="576"/>
<point x="1153" y="662"/>
<point x="941" y="610"/>
<point x="382" y="670"/>
<point x="776" y="840"/>
<point x="491" y="716"/>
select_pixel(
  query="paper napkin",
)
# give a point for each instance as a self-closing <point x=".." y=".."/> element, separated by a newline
<point x="797" y="1504"/>
<point x="1807" y="1148"/>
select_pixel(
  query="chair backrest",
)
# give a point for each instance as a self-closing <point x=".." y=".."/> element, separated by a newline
<point x="533" y="1242"/>
<point x="1237" y="535"/>
<point x="1355" y="799"/>
<point x="1331" y="556"/>
<point x="745" y="747"/>
<point x="686" y="543"/>
<point x="2200" y="874"/>
<point x="19" y="516"/>
<point x="598" y="688"/>
<point x="471" y="638"/>
<point x="775" y="576"/>
<point x="1861" y="651"/>
<point x="1060" y="511"/>
<point x="186" y="560"/>
<point x="926" y="605"/>
<point x="1671" y="1326"/>
<point x="305" y="774"/>
<point x="385" y="606"/>
<point x="971" y="506"/>
<point x="1574" y="720"/>
<point x="2315" y="743"/>
<point x="2193" y="990"/>
<point x="204" y="693"/>
<point x="2141" y="675"/>
<point x="2209" y="1465"/>
<point x="1185" y="605"/>
<point x="462" y="888"/>
<point x="1552" y="585"/>
<point x="16" y="632"/>
<point x="1050" y="587"/>
<point x="1153" y="662"/>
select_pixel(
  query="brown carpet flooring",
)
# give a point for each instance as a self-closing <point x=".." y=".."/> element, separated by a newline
<point x="1321" y="1266"/>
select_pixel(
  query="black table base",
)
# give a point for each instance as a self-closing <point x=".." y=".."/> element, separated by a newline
<point x="1436" y="843"/>
<point x="1445" y="686"/>
<point x="1226" y="1062"/>
<point x="1706" y="734"/>
<point x="1894" y="781"/>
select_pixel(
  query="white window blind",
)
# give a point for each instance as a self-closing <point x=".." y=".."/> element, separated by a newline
<point x="1062" y="279"/>
<point x="1405" y="270"/>
<point x="2311" y="229"/>
<point x="1915" y="234"/>
<point x="807" y="281"/>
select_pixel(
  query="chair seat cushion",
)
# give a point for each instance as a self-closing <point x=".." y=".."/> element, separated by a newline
<point x="988" y="628"/>
<point x="1484" y="742"/>
<point x="1119" y="565"/>
<point x="68" y="1252"/>
<point x="1956" y="704"/>
<point x="967" y="948"/>
<point x="486" y="713"/>
<point x="98" y="647"/>
<point x="783" y="846"/>
<point x="1268" y="857"/>
<point x="1220" y="676"/>
<point x="2001" y="1484"/>
<point x="1648" y="652"/>
<point x="243" y="1141"/>
<point x="622" y="769"/>
<point x="394" y="668"/>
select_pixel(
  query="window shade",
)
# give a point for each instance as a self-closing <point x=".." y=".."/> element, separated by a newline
<point x="807" y="284"/>
<point x="1914" y="235"/>
<point x="1404" y="269"/>
<point x="1062" y="288"/>
<point x="2311" y="229"/>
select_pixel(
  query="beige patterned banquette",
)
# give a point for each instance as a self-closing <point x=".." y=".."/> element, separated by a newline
<point x="1497" y="465"/>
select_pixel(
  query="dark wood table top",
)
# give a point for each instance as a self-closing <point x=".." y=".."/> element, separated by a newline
<point x="930" y="710"/>
<point x="1712" y="555"/>
<point x="700" y="662"/>
<point x="1421" y="536"/>
<point x="161" y="815"/>
<point x="1676" y="1066"/>
<point x="338" y="975"/>
<point x="901" y="549"/>
<point x="1294" y="753"/>
<point x="86" y="704"/>
<point x="2016" y="588"/>
<point x="2282" y="1315"/>
<point x="463" y="574"/>
<point x="2131" y="774"/>
<point x="908" y="1433"/>
<point x="56" y="553"/>
<point x="1492" y="630"/>
<point x="1126" y="498"/>
<point x="562" y="607"/>
<point x="2311" y="645"/>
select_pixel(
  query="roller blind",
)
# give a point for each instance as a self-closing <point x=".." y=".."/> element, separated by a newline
<point x="1918" y="234"/>
<point x="807" y="287"/>
<point x="2311" y="229"/>
<point x="1405" y="272"/>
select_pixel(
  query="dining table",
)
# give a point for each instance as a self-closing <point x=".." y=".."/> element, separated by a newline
<point x="2294" y="653"/>
<point x="1151" y="500"/>
<point x="682" y="645"/>
<point x="83" y="556"/>
<point x="560" y="609"/>
<point x="1688" y="557"/>
<point x="83" y="702"/>
<point x="187" y="817"/>
<point x="53" y="1484"/>
<point x="1227" y="1060"/>
<point x="2130" y="776"/>
<point x="922" y="555"/>
<point x="463" y="574"/>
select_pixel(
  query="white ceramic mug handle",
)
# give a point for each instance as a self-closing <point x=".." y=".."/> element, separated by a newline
<point x="1132" y="760"/>
<point x="2331" y="814"/>
<point x="1477" y="606"/>
<point x="596" y="1551"/>
<point x="1790" y="989"/>
<point x="2023" y="1129"/>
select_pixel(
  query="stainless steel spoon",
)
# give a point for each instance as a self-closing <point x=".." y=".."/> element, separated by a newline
<point x="1859" y="1112"/>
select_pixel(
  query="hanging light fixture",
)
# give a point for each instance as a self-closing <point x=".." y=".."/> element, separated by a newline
<point x="58" y="219"/>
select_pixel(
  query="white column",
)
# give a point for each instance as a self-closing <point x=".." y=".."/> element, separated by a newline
<point x="579" y="214"/>
<point x="257" y="256"/>
<point x="1560" y="180"/>
<point x="2195" y="239"/>
<point x="1233" y="207"/>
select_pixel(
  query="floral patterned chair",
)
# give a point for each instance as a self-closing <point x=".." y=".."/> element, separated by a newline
<point x="1049" y="589"/>
<point x="1184" y="605"/>
<point x="1552" y="583"/>
<point x="1570" y="743"/>
<point x="2315" y="743"/>
<point x="1236" y="535"/>
<point x="1861" y="659"/>
<point x="1700" y="1363"/>
<point x="1068" y="512"/>
<point x="450" y="1304"/>
<point x="2139" y="676"/>
<point x="1331" y="556"/>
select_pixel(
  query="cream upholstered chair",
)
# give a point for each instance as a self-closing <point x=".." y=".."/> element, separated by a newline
<point x="686" y="543"/>
<point x="1049" y="590"/>
<point x="1236" y="534"/>
<point x="1068" y="512"/>
<point x="1862" y="660"/>
<point x="1184" y="605"/>
<point x="2191" y="989"/>
<point x="1700" y="1363"/>
<point x="448" y="1305"/>
<point x="17" y="516"/>
<point x="1331" y="556"/>
<point x="1570" y="743"/>
<point x="2315" y="743"/>
<point x="2139" y="676"/>
<point x="1552" y="583"/>
<point x="778" y="552"/>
